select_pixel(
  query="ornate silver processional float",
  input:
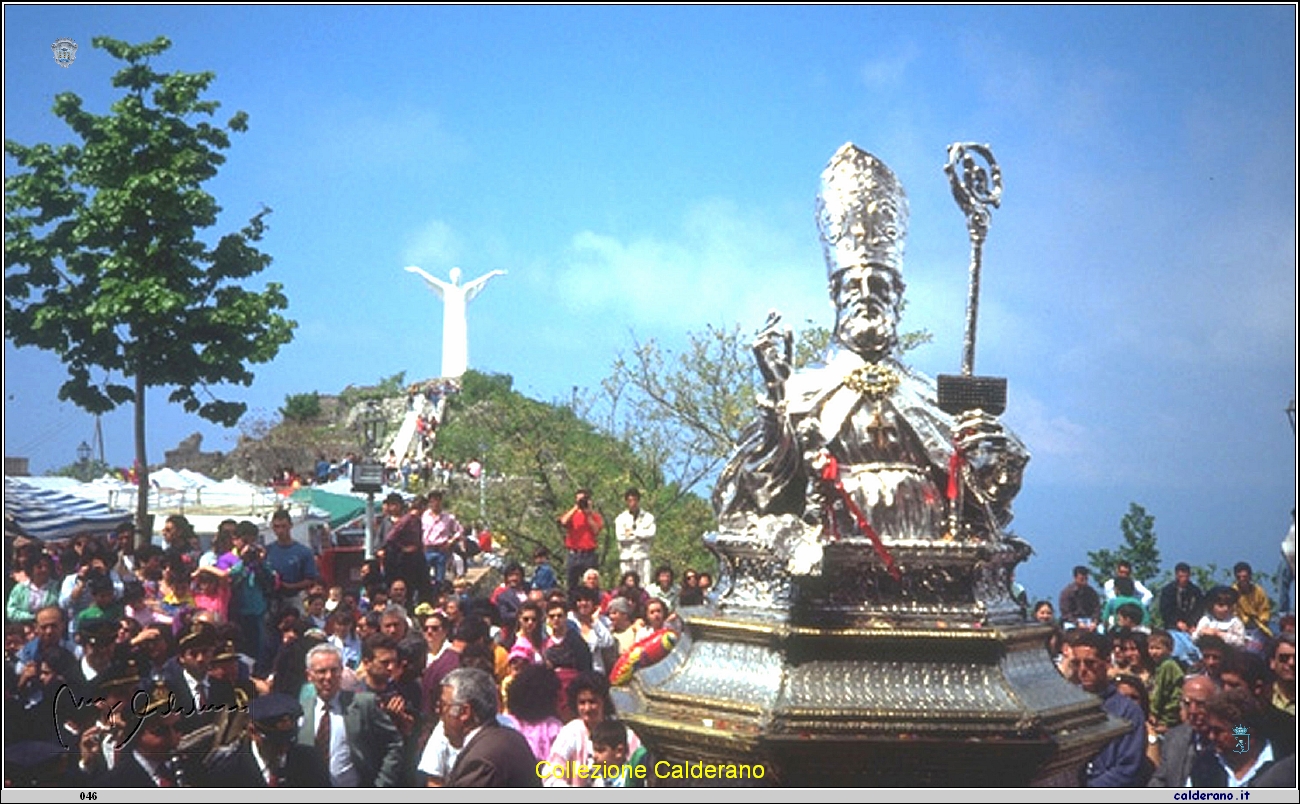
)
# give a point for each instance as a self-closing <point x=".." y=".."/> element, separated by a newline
<point x="862" y="632"/>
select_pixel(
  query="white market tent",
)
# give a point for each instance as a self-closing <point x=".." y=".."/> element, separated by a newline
<point x="65" y="506"/>
<point x="51" y="514"/>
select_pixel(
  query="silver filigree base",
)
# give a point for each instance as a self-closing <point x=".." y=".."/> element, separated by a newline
<point x="819" y="706"/>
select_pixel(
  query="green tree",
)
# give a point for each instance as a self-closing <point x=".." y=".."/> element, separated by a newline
<point x="1139" y="547"/>
<point x="104" y="263"/>
<point x="684" y="411"/>
<point x="301" y="407"/>
<point x="536" y="455"/>
<point x="85" y="471"/>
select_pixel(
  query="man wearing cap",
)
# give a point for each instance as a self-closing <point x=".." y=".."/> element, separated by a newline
<point x="153" y="739"/>
<point x="198" y="696"/>
<point x="269" y="755"/>
<point x="350" y="730"/>
<point x="98" y="637"/>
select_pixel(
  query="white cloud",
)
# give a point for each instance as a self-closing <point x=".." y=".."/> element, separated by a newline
<point x="889" y="70"/>
<point x="722" y="265"/>
<point x="1062" y="449"/>
<point x="435" y="247"/>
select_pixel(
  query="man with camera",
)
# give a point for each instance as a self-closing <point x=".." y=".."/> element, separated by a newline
<point x="581" y="525"/>
<point x="251" y="588"/>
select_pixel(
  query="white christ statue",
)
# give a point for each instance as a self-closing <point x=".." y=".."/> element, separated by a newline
<point x="455" y="331"/>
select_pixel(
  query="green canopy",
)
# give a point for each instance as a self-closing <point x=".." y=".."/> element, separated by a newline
<point x="342" y="508"/>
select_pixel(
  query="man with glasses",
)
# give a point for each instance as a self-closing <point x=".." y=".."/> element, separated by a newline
<point x="354" y="736"/>
<point x="1185" y="742"/>
<point x="1120" y="760"/>
<point x="1282" y="663"/>
<point x="1233" y="727"/>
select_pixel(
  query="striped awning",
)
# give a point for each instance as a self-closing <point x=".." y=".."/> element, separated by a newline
<point x="51" y="515"/>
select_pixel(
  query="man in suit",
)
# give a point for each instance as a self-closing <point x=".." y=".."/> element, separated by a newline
<point x="269" y="755"/>
<point x="198" y="696"/>
<point x="350" y="730"/>
<point x="490" y="755"/>
<point x="1184" y="743"/>
<point x="147" y="759"/>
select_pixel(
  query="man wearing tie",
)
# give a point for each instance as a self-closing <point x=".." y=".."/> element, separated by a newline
<point x="350" y="730"/>
<point x="198" y="695"/>
<point x="269" y="756"/>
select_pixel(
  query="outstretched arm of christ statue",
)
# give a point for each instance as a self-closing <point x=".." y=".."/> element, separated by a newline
<point x="438" y="285"/>
<point x="475" y="287"/>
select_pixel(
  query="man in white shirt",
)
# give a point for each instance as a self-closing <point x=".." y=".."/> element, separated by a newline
<point x="1125" y="584"/>
<point x="636" y="532"/>
<point x="1234" y="726"/>
<point x="350" y="730"/>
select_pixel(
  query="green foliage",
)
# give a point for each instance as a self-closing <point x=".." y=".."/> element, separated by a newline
<point x="301" y="407"/>
<point x="682" y="412"/>
<point x="104" y="264"/>
<point x="387" y="388"/>
<point x="537" y="455"/>
<point x="85" y="472"/>
<point x="1139" y="547"/>
<point x="685" y="412"/>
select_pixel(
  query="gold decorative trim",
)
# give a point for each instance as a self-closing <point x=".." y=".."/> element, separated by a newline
<point x="875" y="381"/>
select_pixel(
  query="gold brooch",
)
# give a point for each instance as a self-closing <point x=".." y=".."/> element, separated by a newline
<point x="873" y="381"/>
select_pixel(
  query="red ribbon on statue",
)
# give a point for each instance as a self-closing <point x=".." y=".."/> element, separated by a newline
<point x="831" y="477"/>
<point x="954" y="474"/>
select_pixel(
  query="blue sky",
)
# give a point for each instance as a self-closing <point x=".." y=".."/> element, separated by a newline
<point x="652" y="170"/>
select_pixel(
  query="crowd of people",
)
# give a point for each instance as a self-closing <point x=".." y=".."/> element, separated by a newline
<point x="1210" y="695"/>
<point x="240" y="665"/>
<point x="147" y="666"/>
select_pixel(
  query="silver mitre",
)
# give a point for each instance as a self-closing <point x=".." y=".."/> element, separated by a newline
<point x="861" y="212"/>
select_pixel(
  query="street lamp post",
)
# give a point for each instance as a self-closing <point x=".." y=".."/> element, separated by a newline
<point x="367" y="474"/>
<point x="83" y="461"/>
<point x="482" y="483"/>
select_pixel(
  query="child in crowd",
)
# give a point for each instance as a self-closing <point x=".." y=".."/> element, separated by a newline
<point x="609" y="752"/>
<point x="1166" y="683"/>
<point x="335" y="598"/>
<point x="1219" y="619"/>
<point x="544" y="578"/>
<point x="342" y="630"/>
<point x="212" y="592"/>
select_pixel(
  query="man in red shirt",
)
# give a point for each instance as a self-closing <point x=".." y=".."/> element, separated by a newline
<point x="581" y="525"/>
